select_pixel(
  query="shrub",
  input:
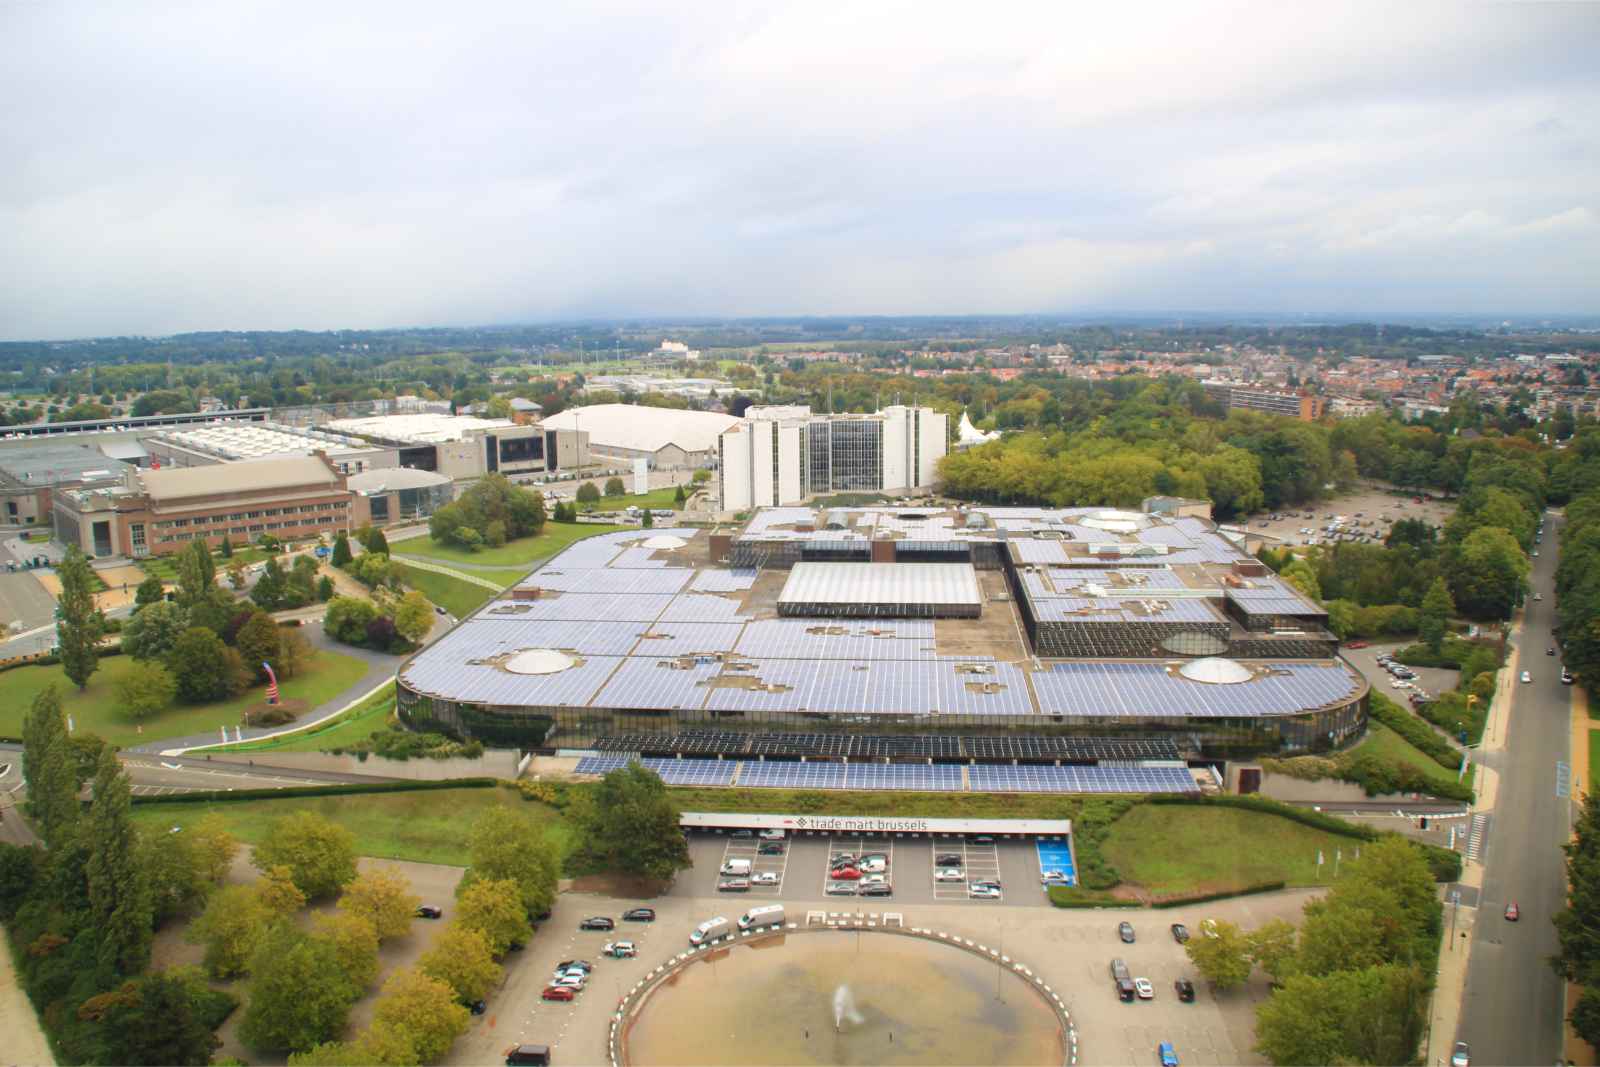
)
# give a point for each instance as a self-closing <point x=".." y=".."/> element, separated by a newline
<point x="1071" y="896"/>
<point x="1412" y="729"/>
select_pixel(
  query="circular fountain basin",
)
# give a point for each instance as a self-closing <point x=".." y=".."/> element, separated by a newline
<point x="844" y="998"/>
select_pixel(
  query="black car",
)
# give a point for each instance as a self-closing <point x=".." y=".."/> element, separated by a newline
<point x="983" y="839"/>
<point x="743" y="833"/>
<point x="428" y="911"/>
<point x="597" y="922"/>
<point x="1185" y="990"/>
<point x="583" y="965"/>
<point x="639" y="915"/>
<point x="1125" y="931"/>
<point x="947" y="859"/>
<point x="1180" y="933"/>
<point x="771" y="848"/>
<point x="478" y="1007"/>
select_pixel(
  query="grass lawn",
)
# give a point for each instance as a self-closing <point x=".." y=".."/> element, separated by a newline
<point x="1594" y="760"/>
<point x="94" y="709"/>
<point x="427" y="827"/>
<point x="457" y="597"/>
<point x="166" y="567"/>
<point x="1391" y="747"/>
<point x="524" y="551"/>
<point x="1173" y="849"/>
<point x="656" y="498"/>
<point x="37" y="537"/>
<point x="354" y="725"/>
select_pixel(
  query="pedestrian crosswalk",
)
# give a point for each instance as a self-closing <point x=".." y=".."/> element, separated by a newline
<point x="1476" y="837"/>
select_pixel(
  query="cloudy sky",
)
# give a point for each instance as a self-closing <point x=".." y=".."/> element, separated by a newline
<point x="172" y="167"/>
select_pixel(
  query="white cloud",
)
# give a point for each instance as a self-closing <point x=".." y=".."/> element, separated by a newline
<point x="280" y="166"/>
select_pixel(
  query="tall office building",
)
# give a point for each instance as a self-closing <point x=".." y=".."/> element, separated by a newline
<point x="785" y="455"/>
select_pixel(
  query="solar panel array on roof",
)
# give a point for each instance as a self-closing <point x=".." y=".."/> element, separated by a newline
<point x="482" y="683"/>
<point x="573" y="607"/>
<point x="672" y="771"/>
<point x="984" y="778"/>
<point x="878" y="687"/>
<point x="643" y="682"/>
<point x="687" y="638"/>
<point x="724" y="581"/>
<point x="610" y="581"/>
<point x="839" y="639"/>
<point x="490" y="634"/>
<point x="1150" y="689"/>
<point x="896" y="746"/>
<point x="1269" y="595"/>
<point x="701" y="607"/>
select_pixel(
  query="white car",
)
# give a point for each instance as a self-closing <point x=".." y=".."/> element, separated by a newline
<point x="764" y="878"/>
<point x="949" y="874"/>
<point x="984" y="892"/>
<point x="771" y="835"/>
<point x="1399" y="683"/>
<point x="571" y="980"/>
<point x="1526" y="677"/>
<point x="1053" y="876"/>
<point x="1145" y="990"/>
<point x="874" y="866"/>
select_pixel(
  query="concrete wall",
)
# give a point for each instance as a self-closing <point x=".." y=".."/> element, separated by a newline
<point x="496" y="763"/>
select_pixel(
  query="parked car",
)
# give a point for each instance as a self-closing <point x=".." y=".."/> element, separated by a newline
<point x="559" y="992"/>
<point x="622" y="950"/>
<point x="1168" y="1054"/>
<point x="1550" y="651"/>
<point x="764" y="878"/>
<point x="734" y="885"/>
<point x="428" y="911"/>
<point x="770" y="848"/>
<point x="1526" y="677"/>
<point x="572" y="980"/>
<point x="597" y="922"/>
<point x="478" y="1007"/>
<point x="1180" y="933"/>
<point x="877" y="889"/>
<point x="1513" y="913"/>
<point x="1461" y="1055"/>
<point x="1355" y="644"/>
<point x="1125" y="931"/>
<point x="948" y="874"/>
<point x="846" y="874"/>
<point x="743" y="833"/>
<point x="1185" y="990"/>
<point x="1145" y="990"/>
<point x="574" y="965"/>
<point x="841" y="889"/>
<point x="1053" y="876"/>
<point x="983" y="892"/>
<point x="639" y="915"/>
<point x="947" y="859"/>
<point x="771" y="835"/>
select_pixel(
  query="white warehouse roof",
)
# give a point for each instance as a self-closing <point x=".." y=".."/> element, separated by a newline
<point x="426" y="428"/>
<point x="643" y="429"/>
<point x="881" y="583"/>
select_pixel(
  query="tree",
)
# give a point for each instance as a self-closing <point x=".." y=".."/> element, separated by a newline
<point x="299" y="995"/>
<point x="200" y="664"/>
<point x="324" y="589"/>
<point x="461" y="959"/>
<point x="413" y="618"/>
<point x="259" y="642"/>
<point x="295" y="653"/>
<point x="677" y="497"/>
<point x="145" y="689"/>
<point x="1367" y="1015"/>
<point x="648" y="520"/>
<point x="215" y="847"/>
<point x="347" y="618"/>
<point x="495" y="910"/>
<point x="1488" y="573"/>
<point x="587" y="494"/>
<point x="372" y="570"/>
<point x="1222" y="959"/>
<point x="700" y="477"/>
<point x="79" y="624"/>
<point x="355" y="943"/>
<point x="341" y="550"/>
<point x="1303" y="577"/>
<point x="230" y="927"/>
<point x="155" y="1019"/>
<point x="172" y="867"/>
<point x="507" y="845"/>
<point x="423" y="1008"/>
<point x="1434" y="619"/>
<point x="270" y="587"/>
<point x="47" y="768"/>
<point x="385" y="1045"/>
<point x="236" y="575"/>
<point x="154" y="630"/>
<point x="225" y="550"/>
<point x="629" y="824"/>
<point x="278" y="893"/>
<point x="319" y="853"/>
<point x="1578" y="924"/>
<point x="1272" y="947"/>
<point x="614" y="487"/>
<point x="384" y="898"/>
<point x="197" y="574"/>
<point x="150" y="591"/>
<point x="376" y="543"/>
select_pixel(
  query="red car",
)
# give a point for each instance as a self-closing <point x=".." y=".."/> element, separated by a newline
<point x="845" y="874"/>
<point x="1512" y="913"/>
<point x="559" y="992"/>
<point x="1355" y="644"/>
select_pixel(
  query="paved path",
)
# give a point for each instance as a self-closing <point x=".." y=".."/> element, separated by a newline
<point x="23" y="1038"/>
<point x="422" y="561"/>
<point x="437" y="568"/>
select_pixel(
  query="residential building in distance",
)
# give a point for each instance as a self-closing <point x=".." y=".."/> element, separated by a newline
<point x="786" y="455"/>
<point x="1274" y="402"/>
<point x="158" y="512"/>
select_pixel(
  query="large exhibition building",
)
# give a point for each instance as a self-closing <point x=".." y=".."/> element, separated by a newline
<point x="936" y="637"/>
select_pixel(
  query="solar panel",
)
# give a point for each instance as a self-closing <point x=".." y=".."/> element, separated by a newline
<point x="1151" y="689"/>
<point x="1034" y="779"/>
<point x="790" y="775"/>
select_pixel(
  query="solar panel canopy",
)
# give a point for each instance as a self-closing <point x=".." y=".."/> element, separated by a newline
<point x="908" y="590"/>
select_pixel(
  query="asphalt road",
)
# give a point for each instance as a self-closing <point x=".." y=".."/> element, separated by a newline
<point x="1514" y="1003"/>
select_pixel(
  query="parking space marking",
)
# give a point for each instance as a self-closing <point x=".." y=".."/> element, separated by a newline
<point x="982" y="865"/>
<point x="948" y="891"/>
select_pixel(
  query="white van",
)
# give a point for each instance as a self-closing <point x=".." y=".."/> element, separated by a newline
<point x="710" y="930"/>
<point x="766" y="915"/>
<point x="740" y="868"/>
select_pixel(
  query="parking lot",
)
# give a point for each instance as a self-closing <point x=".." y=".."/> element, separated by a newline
<point x="1370" y="512"/>
<point x="1070" y="949"/>
<point x="802" y="871"/>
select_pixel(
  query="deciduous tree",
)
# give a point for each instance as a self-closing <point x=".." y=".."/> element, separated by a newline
<point x="1222" y="959"/>
<point x="355" y="942"/>
<point x="234" y="920"/>
<point x="384" y="898"/>
<point x="299" y="995"/>
<point x="259" y="641"/>
<point x="461" y="959"/>
<point x="156" y="1019"/>
<point x="629" y="824"/>
<point x="79" y="624"/>
<point x="319" y="853"/>
<point x="154" y="630"/>
<point x="150" y="591"/>
<point x="1434" y="619"/>
<point x="200" y="664"/>
<point x="425" y="1009"/>
<point x="507" y="845"/>
<point x="494" y="909"/>
<point x="145" y="688"/>
<point x="47" y="767"/>
<point x="414" y="617"/>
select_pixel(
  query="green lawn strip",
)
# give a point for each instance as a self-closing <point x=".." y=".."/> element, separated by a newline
<point x="526" y="550"/>
<point x="1594" y="760"/>
<point x="1176" y="849"/>
<point x="453" y="595"/>
<point x="354" y="725"/>
<point x="94" y="709"/>
<point x="425" y="827"/>
<point x="1389" y="746"/>
<point x="655" y="498"/>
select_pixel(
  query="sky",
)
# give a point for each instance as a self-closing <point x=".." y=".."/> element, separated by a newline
<point x="168" y="167"/>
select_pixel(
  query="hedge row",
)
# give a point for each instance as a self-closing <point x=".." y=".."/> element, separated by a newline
<point x="1071" y="896"/>
<point x="1181" y="899"/>
<point x="332" y="789"/>
<point x="1417" y="733"/>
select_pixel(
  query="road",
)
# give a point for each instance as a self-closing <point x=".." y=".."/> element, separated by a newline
<point x="1514" y="1004"/>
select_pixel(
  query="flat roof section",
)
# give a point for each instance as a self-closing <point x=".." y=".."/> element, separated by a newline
<point x="912" y="590"/>
<point x="723" y="820"/>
